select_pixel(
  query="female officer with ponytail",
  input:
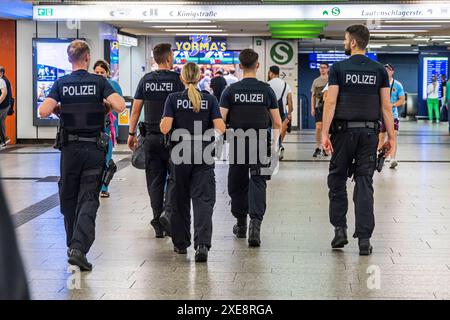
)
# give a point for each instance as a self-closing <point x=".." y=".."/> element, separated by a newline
<point x="189" y="114"/>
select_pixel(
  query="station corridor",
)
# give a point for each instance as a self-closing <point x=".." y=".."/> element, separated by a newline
<point x="411" y="256"/>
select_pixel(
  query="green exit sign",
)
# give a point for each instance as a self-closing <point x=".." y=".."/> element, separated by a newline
<point x="45" y="12"/>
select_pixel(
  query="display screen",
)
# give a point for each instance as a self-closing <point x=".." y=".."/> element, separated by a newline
<point x="316" y="58"/>
<point x="114" y="60"/>
<point x="50" y="63"/>
<point x="182" y="57"/>
<point x="217" y="57"/>
<point x="209" y="57"/>
<point x="433" y="66"/>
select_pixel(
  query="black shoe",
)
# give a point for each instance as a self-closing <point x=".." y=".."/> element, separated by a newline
<point x="324" y="153"/>
<point x="240" y="228"/>
<point x="159" y="230"/>
<point x="164" y="220"/>
<point x="78" y="258"/>
<point x="281" y="153"/>
<point x="340" y="238"/>
<point x="316" y="153"/>
<point x="201" y="255"/>
<point x="254" y="231"/>
<point x="365" y="249"/>
<point x="180" y="250"/>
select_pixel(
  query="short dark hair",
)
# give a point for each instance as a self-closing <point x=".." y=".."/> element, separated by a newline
<point x="275" y="70"/>
<point x="248" y="58"/>
<point x="360" y="33"/>
<point x="2" y="69"/>
<point x="102" y="64"/>
<point x="161" y="52"/>
<point x="219" y="72"/>
<point x="324" y="64"/>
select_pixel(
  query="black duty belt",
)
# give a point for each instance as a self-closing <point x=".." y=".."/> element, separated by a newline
<point x="362" y="124"/>
<point x="73" y="138"/>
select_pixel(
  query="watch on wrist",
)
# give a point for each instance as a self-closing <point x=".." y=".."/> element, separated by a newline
<point x="132" y="134"/>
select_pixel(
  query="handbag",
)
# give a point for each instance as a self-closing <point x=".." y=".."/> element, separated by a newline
<point x="11" y="107"/>
<point x="138" y="156"/>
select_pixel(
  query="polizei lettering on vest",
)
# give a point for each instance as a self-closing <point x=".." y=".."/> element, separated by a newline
<point x="79" y="90"/>
<point x="249" y="97"/>
<point x="162" y="86"/>
<point x="186" y="104"/>
<point x="353" y="78"/>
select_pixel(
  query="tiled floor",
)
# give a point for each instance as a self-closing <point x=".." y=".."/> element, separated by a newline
<point x="411" y="242"/>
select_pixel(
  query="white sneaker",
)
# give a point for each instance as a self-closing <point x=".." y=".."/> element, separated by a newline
<point x="394" y="163"/>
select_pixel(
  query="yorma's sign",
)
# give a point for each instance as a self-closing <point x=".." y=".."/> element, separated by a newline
<point x="200" y="43"/>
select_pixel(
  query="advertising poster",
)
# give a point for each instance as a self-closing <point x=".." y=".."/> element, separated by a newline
<point x="50" y="63"/>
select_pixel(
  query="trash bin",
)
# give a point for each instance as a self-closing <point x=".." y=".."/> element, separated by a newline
<point x="124" y="121"/>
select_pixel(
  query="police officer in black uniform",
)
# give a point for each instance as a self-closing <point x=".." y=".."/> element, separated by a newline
<point x="151" y="93"/>
<point x="358" y="95"/>
<point x="83" y="146"/>
<point x="251" y="105"/>
<point x="191" y="116"/>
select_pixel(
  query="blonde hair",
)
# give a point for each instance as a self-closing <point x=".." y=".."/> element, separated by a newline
<point x="76" y="50"/>
<point x="191" y="75"/>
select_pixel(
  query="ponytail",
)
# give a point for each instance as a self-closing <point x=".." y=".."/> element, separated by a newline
<point x="195" y="97"/>
<point x="191" y="75"/>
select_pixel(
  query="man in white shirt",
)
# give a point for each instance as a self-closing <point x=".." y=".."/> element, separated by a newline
<point x="433" y="99"/>
<point x="284" y="96"/>
<point x="5" y="104"/>
<point x="231" y="78"/>
<point x="204" y="84"/>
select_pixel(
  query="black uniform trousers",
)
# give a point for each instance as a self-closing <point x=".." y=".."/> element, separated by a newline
<point x="79" y="190"/>
<point x="157" y="169"/>
<point x="247" y="191"/>
<point x="355" y="150"/>
<point x="194" y="182"/>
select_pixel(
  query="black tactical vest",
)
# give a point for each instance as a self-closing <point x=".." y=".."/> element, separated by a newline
<point x="359" y="90"/>
<point x="83" y="118"/>
<point x="249" y="106"/>
<point x="186" y="118"/>
<point x="157" y="86"/>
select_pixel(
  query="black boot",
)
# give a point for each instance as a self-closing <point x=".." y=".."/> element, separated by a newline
<point x="254" y="231"/>
<point x="159" y="230"/>
<point x="340" y="238"/>
<point x="240" y="228"/>
<point x="180" y="250"/>
<point x="365" y="248"/>
<point x="201" y="254"/>
<point x="78" y="258"/>
<point x="164" y="220"/>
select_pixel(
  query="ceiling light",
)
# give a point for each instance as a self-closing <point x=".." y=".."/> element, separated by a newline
<point x="175" y="26"/>
<point x="417" y="21"/>
<point x="444" y="37"/>
<point x="193" y="30"/>
<point x="209" y="34"/>
<point x="177" y="21"/>
<point x="416" y="26"/>
<point x="400" y="45"/>
<point x="399" y="31"/>
<point x="440" y="39"/>
<point x="422" y="39"/>
<point x="405" y="35"/>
